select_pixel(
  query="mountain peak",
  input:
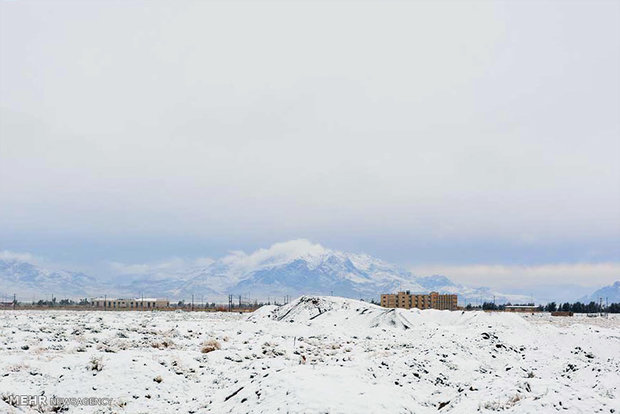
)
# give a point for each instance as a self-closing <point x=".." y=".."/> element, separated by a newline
<point x="433" y="281"/>
<point x="276" y="254"/>
<point x="291" y="250"/>
<point x="610" y="293"/>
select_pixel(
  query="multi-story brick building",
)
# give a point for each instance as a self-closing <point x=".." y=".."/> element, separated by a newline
<point x="408" y="300"/>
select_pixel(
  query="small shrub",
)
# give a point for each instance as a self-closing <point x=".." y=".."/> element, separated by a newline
<point x="95" y="364"/>
<point x="166" y="343"/>
<point x="210" y="346"/>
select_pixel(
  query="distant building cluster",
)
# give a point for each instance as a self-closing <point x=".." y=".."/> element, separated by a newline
<point x="409" y="300"/>
<point x="522" y="308"/>
<point x="140" y="303"/>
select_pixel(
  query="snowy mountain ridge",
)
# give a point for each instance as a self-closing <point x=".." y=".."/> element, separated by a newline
<point x="606" y="294"/>
<point x="28" y="280"/>
<point x="293" y="268"/>
<point x="300" y="267"/>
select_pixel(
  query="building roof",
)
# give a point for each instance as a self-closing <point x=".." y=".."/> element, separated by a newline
<point x="521" y="306"/>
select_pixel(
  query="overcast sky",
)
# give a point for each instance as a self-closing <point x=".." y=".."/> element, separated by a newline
<point x="435" y="135"/>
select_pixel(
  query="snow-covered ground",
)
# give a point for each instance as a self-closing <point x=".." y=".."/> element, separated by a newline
<point x="315" y="355"/>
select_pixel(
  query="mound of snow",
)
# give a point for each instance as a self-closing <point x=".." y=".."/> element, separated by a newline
<point x="307" y="308"/>
<point x="264" y="312"/>
<point x="335" y="311"/>
<point x="460" y="318"/>
<point x="392" y="318"/>
<point x="328" y="311"/>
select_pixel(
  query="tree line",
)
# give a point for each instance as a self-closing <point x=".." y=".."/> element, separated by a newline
<point x="576" y="307"/>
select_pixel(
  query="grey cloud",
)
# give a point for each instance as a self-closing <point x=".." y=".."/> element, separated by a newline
<point x="438" y="121"/>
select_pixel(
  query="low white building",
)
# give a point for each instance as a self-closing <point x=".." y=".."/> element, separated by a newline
<point x="138" y="304"/>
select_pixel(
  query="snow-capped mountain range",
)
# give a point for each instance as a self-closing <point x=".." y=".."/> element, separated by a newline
<point x="290" y="268"/>
<point x="31" y="281"/>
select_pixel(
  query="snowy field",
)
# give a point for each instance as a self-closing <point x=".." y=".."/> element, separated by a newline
<point x="315" y="355"/>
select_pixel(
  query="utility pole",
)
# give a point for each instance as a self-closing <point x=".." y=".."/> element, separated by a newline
<point x="14" y="301"/>
<point x="192" y="302"/>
